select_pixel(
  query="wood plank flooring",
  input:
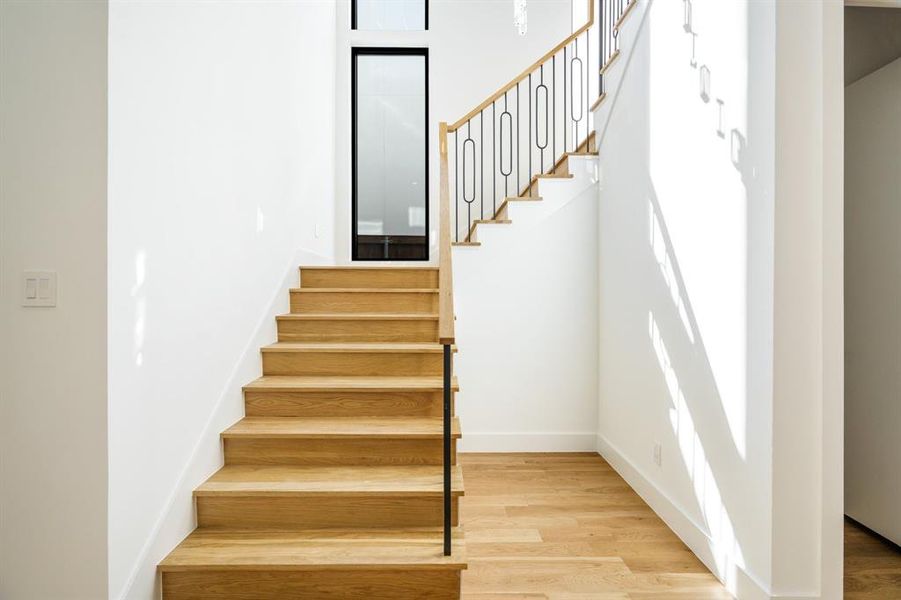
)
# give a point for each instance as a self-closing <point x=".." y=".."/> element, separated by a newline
<point x="872" y="565"/>
<point x="567" y="526"/>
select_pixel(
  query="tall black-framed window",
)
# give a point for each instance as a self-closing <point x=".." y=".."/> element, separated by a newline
<point x="389" y="153"/>
<point x="389" y="15"/>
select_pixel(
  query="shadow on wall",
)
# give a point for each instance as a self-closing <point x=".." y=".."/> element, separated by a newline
<point x="676" y="365"/>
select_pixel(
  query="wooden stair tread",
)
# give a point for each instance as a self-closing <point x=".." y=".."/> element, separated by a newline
<point x="392" y="347"/>
<point x="472" y="228"/>
<point x="324" y="383"/>
<point x="358" y="317"/>
<point x="610" y="61"/>
<point x="315" y="550"/>
<point x="622" y="17"/>
<point x="341" y="427"/>
<point x="366" y="268"/>
<point x="393" y="480"/>
<point x="509" y="199"/>
<point x="364" y="290"/>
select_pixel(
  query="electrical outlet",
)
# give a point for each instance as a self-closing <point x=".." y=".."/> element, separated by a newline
<point x="658" y="454"/>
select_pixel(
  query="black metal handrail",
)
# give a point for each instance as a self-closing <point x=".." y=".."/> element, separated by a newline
<point x="447" y="449"/>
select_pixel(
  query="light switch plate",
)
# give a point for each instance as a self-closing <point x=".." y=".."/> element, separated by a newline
<point x="39" y="288"/>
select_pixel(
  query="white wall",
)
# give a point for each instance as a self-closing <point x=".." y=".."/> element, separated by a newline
<point x="873" y="293"/>
<point x="473" y="50"/>
<point x="526" y="306"/>
<point x="808" y="339"/>
<point x="53" y="387"/>
<point x="697" y="352"/>
<point x="221" y="168"/>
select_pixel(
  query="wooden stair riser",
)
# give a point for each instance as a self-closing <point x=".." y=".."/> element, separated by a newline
<point x="345" y="404"/>
<point x="352" y="363"/>
<point x="327" y="584"/>
<point x="336" y="451"/>
<point x="417" y="302"/>
<point x="365" y="277"/>
<point x="358" y="330"/>
<point x="317" y="511"/>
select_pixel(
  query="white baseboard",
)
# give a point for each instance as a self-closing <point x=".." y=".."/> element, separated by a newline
<point x="741" y="584"/>
<point x="528" y="442"/>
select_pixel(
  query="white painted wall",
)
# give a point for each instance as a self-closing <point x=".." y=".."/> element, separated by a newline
<point x="707" y="347"/>
<point x="221" y="168"/>
<point x="873" y="293"/>
<point x="473" y="50"/>
<point x="53" y="361"/>
<point x="526" y="306"/>
<point x="808" y="339"/>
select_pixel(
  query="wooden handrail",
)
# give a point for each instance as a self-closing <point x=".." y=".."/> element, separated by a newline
<point x="445" y="270"/>
<point x="485" y="104"/>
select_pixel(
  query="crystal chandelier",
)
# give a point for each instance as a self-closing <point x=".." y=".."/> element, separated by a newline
<point x="520" y="16"/>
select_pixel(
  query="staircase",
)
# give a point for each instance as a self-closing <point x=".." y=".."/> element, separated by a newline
<point x="341" y="481"/>
<point x="333" y="484"/>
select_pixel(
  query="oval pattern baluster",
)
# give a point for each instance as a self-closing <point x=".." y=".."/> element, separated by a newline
<point x="506" y="168"/>
<point x="470" y="146"/>
<point x="541" y="98"/>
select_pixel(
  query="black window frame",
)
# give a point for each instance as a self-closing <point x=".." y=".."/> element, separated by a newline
<point x="385" y="51"/>
<point x="353" y="16"/>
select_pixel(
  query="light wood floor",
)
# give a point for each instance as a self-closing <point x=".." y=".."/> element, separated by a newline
<point x="872" y="566"/>
<point x="566" y="526"/>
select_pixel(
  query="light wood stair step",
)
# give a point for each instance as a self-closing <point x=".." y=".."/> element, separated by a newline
<point x="600" y="100"/>
<point x="293" y="497"/>
<point x="610" y="61"/>
<point x="391" y="480"/>
<point x="502" y="210"/>
<point x="340" y="427"/>
<point x="529" y="189"/>
<point x="561" y="167"/>
<point x="348" y="384"/>
<point x="472" y="229"/>
<point x="339" y="396"/>
<point x="368" y="277"/>
<point x="353" y="358"/>
<point x="358" y="327"/>
<point x="622" y="17"/>
<point x="364" y="300"/>
<point x="377" y="564"/>
<point x="338" y="441"/>
<point x="315" y="549"/>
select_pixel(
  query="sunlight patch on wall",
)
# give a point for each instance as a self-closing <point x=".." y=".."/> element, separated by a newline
<point x="698" y="214"/>
<point x="724" y="546"/>
<point x="667" y="271"/>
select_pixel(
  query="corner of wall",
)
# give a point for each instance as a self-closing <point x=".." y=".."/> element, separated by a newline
<point x="738" y="581"/>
